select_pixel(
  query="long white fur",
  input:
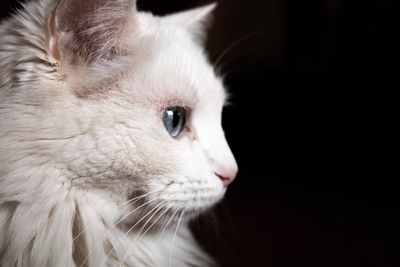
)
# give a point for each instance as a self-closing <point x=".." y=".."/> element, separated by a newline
<point x="81" y="135"/>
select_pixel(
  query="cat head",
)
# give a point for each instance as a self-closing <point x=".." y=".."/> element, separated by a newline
<point x="132" y="107"/>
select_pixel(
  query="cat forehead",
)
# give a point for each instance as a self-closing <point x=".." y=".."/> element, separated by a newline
<point x="171" y="65"/>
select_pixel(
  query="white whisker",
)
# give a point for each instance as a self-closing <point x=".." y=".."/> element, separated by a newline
<point x="231" y="47"/>
<point x="173" y="238"/>
<point x="151" y="211"/>
<point x="134" y="200"/>
<point x="169" y="221"/>
<point x="120" y="220"/>
<point x="164" y="204"/>
<point x="158" y="218"/>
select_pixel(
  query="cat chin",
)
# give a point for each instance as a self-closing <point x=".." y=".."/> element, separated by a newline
<point x="156" y="214"/>
<point x="157" y="226"/>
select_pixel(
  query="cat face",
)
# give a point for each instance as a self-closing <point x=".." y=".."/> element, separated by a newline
<point x="135" y="108"/>
<point x="159" y="126"/>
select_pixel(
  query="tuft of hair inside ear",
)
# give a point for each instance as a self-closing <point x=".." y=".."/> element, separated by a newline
<point x="86" y="31"/>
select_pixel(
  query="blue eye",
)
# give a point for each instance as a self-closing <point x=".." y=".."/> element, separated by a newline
<point x="174" y="119"/>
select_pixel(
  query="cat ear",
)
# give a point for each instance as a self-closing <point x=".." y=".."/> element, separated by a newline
<point x="194" y="20"/>
<point x="88" y="29"/>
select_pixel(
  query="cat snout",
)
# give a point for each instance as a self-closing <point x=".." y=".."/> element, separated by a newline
<point x="227" y="175"/>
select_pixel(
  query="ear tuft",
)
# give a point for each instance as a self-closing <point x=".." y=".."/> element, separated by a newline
<point x="194" y="20"/>
<point x="88" y="29"/>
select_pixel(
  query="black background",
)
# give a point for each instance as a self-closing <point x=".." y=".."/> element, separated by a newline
<point x="312" y="126"/>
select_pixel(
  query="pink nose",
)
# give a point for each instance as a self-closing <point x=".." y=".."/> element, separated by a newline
<point x="227" y="176"/>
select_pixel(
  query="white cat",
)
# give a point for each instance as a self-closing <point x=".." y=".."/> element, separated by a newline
<point x="110" y="135"/>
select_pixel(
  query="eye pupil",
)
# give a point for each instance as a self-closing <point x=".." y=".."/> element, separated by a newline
<point x="174" y="119"/>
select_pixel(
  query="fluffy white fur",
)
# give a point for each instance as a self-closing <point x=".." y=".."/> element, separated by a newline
<point x="88" y="174"/>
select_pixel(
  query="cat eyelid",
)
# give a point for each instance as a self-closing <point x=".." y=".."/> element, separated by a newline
<point x="172" y="103"/>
